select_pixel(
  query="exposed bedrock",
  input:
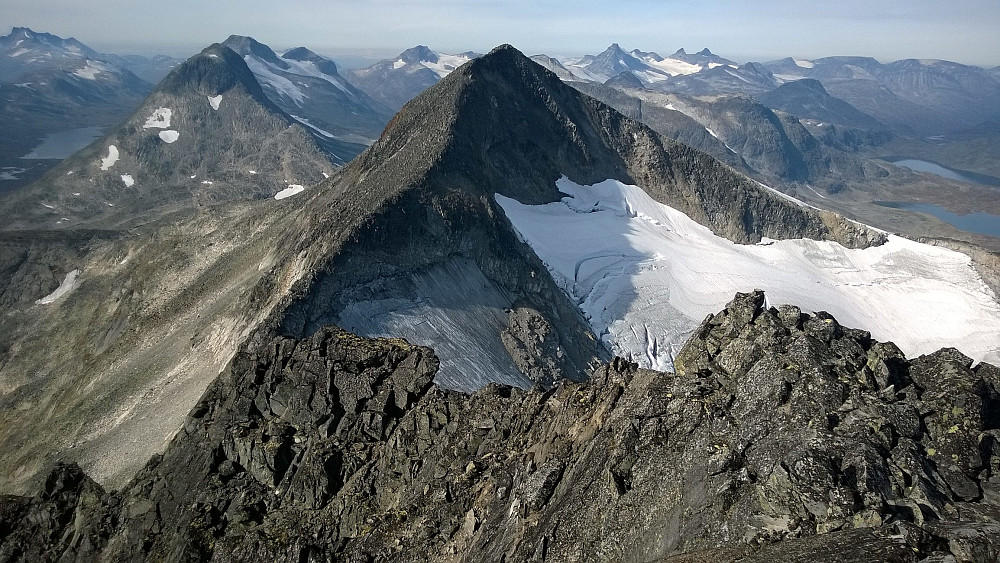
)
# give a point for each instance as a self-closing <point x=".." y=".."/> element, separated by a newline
<point x="782" y="436"/>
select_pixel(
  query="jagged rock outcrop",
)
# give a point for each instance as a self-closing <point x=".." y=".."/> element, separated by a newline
<point x="782" y="436"/>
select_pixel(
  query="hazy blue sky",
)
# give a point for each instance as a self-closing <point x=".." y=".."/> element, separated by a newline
<point x="962" y="30"/>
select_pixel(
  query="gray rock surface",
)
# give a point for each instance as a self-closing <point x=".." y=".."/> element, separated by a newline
<point x="781" y="437"/>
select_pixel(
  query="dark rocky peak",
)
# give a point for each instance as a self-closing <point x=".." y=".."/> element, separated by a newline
<point x="679" y="53"/>
<point x="625" y="80"/>
<point x="615" y="55"/>
<point x="645" y="54"/>
<point x="322" y="63"/>
<point x="504" y="124"/>
<point x="810" y="84"/>
<point x="217" y="69"/>
<point x="249" y="46"/>
<point x="420" y="53"/>
<point x="705" y="53"/>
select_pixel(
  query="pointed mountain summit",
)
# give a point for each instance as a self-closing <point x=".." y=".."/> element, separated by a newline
<point x="308" y="87"/>
<point x="502" y="125"/>
<point x="207" y="134"/>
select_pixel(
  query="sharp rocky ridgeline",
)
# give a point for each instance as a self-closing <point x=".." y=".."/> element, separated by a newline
<point x="782" y="436"/>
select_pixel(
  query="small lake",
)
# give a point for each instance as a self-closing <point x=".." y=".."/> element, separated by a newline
<point x="925" y="166"/>
<point x="64" y="143"/>
<point x="978" y="222"/>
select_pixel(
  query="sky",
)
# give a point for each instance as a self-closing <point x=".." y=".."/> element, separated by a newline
<point x="966" y="31"/>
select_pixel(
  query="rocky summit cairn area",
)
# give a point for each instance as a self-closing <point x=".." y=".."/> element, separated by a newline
<point x="782" y="437"/>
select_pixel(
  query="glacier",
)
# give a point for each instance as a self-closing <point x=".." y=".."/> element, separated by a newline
<point x="645" y="275"/>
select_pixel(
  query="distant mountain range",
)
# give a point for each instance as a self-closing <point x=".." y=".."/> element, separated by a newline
<point x="396" y="81"/>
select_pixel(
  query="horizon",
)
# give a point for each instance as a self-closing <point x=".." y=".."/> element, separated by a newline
<point x="963" y="31"/>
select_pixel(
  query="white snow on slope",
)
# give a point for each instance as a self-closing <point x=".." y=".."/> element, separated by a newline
<point x="645" y="275"/>
<point x="215" y="101"/>
<point x="291" y="190"/>
<point x="804" y="63"/>
<point x="110" y="160"/>
<point x="129" y="180"/>
<point x="400" y="63"/>
<point x="159" y="119"/>
<point x="309" y="68"/>
<point x="446" y="63"/>
<point x="65" y="287"/>
<point x="672" y="66"/>
<point x="308" y="124"/>
<point x="91" y="71"/>
<point x="168" y="136"/>
<point x="280" y="84"/>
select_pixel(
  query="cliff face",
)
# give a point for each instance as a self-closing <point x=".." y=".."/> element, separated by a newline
<point x="781" y="437"/>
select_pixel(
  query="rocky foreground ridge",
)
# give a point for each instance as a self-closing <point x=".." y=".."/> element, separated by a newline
<point x="782" y="436"/>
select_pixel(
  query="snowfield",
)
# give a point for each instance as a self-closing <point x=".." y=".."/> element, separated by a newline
<point x="110" y="160"/>
<point x="215" y="101"/>
<point x="65" y="287"/>
<point x="645" y="275"/>
<point x="128" y="180"/>
<point x="91" y="70"/>
<point x="291" y="190"/>
<point x="159" y="119"/>
<point x="169" y="136"/>
<point x="445" y="64"/>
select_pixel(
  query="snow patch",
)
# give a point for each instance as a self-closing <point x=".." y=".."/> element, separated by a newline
<point x="91" y="71"/>
<point x="804" y="63"/>
<point x="645" y="275"/>
<point x="159" y="119"/>
<point x="291" y="190"/>
<point x="110" y="160"/>
<point x="129" y="180"/>
<point x="168" y="136"/>
<point x="214" y="101"/>
<point x="445" y="64"/>
<point x="396" y="65"/>
<point x="65" y="287"/>
<point x="306" y="122"/>
<point x="673" y="67"/>
<point x="19" y="52"/>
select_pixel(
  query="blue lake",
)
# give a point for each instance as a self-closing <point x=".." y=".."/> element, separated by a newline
<point x="978" y="222"/>
<point x="64" y="143"/>
<point x="925" y="166"/>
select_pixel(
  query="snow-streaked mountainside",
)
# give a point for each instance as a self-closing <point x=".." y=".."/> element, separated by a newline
<point x="645" y="275"/>
<point x="396" y="81"/>
<point x="648" y="67"/>
<point x="207" y="134"/>
<point x="309" y="87"/>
